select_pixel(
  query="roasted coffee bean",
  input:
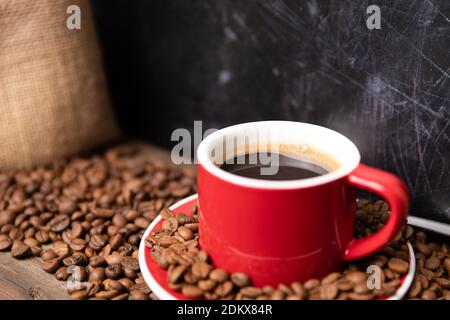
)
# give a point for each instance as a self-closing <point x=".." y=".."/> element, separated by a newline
<point x="443" y="283"/>
<point x="51" y="265"/>
<point x="114" y="285"/>
<point x="312" y="284"/>
<point x="77" y="244"/>
<point x="251" y="292"/>
<point x="5" y="244"/>
<point x="432" y="263"/>
<point x="185" y="233"/>
<point x="114" y="258"/>
<point x="20" y="250"/>
<point x="240" y="279"/>
<point x="219" y="275"/>
<point x="48" y="254"/>
<point x="123" y="296"/>
<point x="6" y="217"/>
<point x="398" y="265"/>
<point x="107" y="294"/>
<point x="103" y="213"/>
<point x="191" y="291"/>
<point x="130" y="263"/>
<point x="79" y="295"/>
<point x="59" y="223"/>
<point x="97" y="261"/>
<point x="428" y="295"/>
<point x="77" y="273"/>
<point x="175" y="273"/>
<point x="200" y="270"/>
<point x="328" y="291"/>
<point x="42" y="236"/>
<point x="97" y="242"/>
<point x="116" y="241"/>
<point x="114" y="271"/>
<point x="138" y="295"/>
<point x="61" y="249"/>
<point x="61" y="274"/>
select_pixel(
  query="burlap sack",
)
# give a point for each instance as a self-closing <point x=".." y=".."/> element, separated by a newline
<point x="53" y="99"/>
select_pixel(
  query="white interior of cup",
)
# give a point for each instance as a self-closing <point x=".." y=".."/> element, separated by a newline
<point x="285" y="137"/>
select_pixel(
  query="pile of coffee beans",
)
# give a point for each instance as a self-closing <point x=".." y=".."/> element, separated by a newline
<point x="84" y="217"/>
<point x="189" y="270"/>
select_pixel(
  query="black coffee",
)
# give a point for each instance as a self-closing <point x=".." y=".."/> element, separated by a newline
<point x="250" y="165"/>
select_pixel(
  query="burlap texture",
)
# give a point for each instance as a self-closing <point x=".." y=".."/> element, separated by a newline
<point x="53" y="98"/>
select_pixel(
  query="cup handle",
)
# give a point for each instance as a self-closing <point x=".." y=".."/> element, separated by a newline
<point x="395" y="192"/>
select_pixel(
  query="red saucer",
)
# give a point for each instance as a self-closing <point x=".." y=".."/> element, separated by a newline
<point x="156" y="277"/>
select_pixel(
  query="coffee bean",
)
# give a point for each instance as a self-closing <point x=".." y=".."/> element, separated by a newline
<point x="20" y="250"/>
<point x="277" y="295"/>
<point x="97" y="242"/>
<point x="67" y="206"/>
<point x="446" y="265"/>
<point x="107" y="295"/>
<point x="207" y="285"/>
<point x="5" y="244"/>
<point x="51" y="265"/>
<point x="113" y="285"/>
<point x="114" y="271"/>
<point x="311" y="284"/>
<point x="97" y="261"/>
<point x="240" y="279"/>
<point x="428" y="295"/>
<point x="224" y="289"/>
<point x="218" y="275"/>
<point x="59" y="223"/>
<point x="48" y="254"/>
<point x="130" y="263"/>
<point x="398" y="265"/>
<point x="77" y="244"/>
<point x="127" y="283"/>
<point x="175" y="273"/>
<point x="42" y="236"/>
<point x="98" y="274"/>
<point x="61" y="249"/>
<point x="123" y="296"/>
<point x="328" y="291"/>
<point x="116" y="241"/>
<point x="103" y="213"/>
<point x="93" y="288"/>
<point x="114" y="258"/>
<point x="191" y="291"/>
<point x="444" y="283"/>
<point x="360" y="296"/>
<point x="356" y="276"/>
<point x="185" y="233"/>
<point x="432" y="263"/>
<point x="61" y="274"/>
<point x="79" y="295"/>
<point x="141" y="222"/>
<point x="251" y="292"/>
<point x="138" y="295"/>
<point x="200" y="270"/>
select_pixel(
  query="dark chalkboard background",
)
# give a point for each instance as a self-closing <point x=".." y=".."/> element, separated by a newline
<point x="171" y="62"/>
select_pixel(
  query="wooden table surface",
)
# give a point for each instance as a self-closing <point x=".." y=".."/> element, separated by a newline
<point x="24" y="279"/>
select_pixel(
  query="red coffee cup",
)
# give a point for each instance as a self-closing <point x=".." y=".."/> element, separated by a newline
<point x="294" y="230"/>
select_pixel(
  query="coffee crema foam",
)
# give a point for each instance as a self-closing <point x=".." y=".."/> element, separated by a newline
<point x="301" y="152"/>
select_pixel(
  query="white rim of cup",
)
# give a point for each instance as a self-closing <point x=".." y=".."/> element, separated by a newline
<point x="346" y="167"/>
